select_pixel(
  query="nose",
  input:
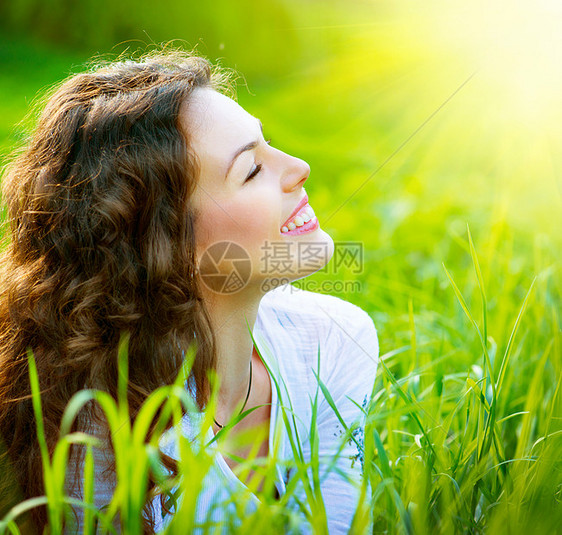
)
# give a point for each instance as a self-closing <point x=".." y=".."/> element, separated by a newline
<point x="295" y="173"/>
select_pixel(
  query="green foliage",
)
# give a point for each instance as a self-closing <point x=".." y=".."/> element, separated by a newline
<point x="219" y="29"/>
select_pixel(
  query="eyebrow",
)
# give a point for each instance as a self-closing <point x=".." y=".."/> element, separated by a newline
<point x="248" y="146"/>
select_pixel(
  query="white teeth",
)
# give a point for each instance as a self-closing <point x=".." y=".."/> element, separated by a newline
<point x="304" y="217"/>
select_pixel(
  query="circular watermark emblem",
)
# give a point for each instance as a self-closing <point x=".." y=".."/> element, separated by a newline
<point x="225" y="267"/>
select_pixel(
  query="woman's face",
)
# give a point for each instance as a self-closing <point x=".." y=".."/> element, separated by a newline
<point x="247" y="194"/>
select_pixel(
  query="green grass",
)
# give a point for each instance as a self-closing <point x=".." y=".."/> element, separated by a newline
<point x="441" y="454"/>
<point x="454" y="193"/>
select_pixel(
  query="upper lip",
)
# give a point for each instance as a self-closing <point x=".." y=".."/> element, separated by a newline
<point x="302" y="202"/>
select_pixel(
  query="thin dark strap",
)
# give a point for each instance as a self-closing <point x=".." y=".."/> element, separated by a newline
<point x="247" y="397"/>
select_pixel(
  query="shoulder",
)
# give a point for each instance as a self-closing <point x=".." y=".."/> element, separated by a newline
<point x="343" y="326"/>
<point x="316" y="337"/>
<point x="316" y="307"/>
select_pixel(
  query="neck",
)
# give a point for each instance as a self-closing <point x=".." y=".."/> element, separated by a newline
<point x="229" y="314"/>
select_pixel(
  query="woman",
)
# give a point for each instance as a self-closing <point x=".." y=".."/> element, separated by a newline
<point x="146" y="202"/>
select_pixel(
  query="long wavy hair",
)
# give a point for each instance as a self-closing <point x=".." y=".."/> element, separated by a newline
<point x="101" y="242"/>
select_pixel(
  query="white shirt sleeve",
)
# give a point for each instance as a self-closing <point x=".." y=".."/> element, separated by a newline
<point x="348" y="373"/>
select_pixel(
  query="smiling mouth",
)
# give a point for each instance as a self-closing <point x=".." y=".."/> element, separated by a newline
<point x="303" y="221"/>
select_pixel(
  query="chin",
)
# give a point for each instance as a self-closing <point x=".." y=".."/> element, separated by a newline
<point x="316" y="238"/>
<point x="320" y="237"/>
<point x="330" y="244"/>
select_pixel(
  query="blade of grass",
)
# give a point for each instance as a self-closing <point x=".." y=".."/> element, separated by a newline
<point x="464" y="306"/>
<point x="480" y="284"/>
<point x="54" y="502"/>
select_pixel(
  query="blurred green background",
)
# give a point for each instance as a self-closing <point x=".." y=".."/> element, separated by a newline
<point x="418" y="120"/>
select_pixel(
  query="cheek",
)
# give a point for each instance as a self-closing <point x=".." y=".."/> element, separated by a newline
<point x="245" y="224"/>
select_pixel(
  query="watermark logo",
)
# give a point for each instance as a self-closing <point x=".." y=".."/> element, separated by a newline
<point x="290" y="258"/>
<point x="225" y="267"/>
<point x="348" y="254"/>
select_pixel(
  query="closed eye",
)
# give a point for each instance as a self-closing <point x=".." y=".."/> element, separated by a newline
<point x="255" y="171"/>
<point x="257" y="168"/>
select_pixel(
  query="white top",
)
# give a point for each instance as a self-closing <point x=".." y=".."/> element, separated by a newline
<point x="293" y="327"/>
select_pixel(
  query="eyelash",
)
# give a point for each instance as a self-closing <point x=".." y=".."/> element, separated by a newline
<point x="257" y="168"/>
<point x="254" y="172"/>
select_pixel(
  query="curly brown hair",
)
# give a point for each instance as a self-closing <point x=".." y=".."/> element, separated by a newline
<point x="101" y="242"/>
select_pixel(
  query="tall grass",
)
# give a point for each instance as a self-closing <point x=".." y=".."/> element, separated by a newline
<point x="456" y="454"/>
